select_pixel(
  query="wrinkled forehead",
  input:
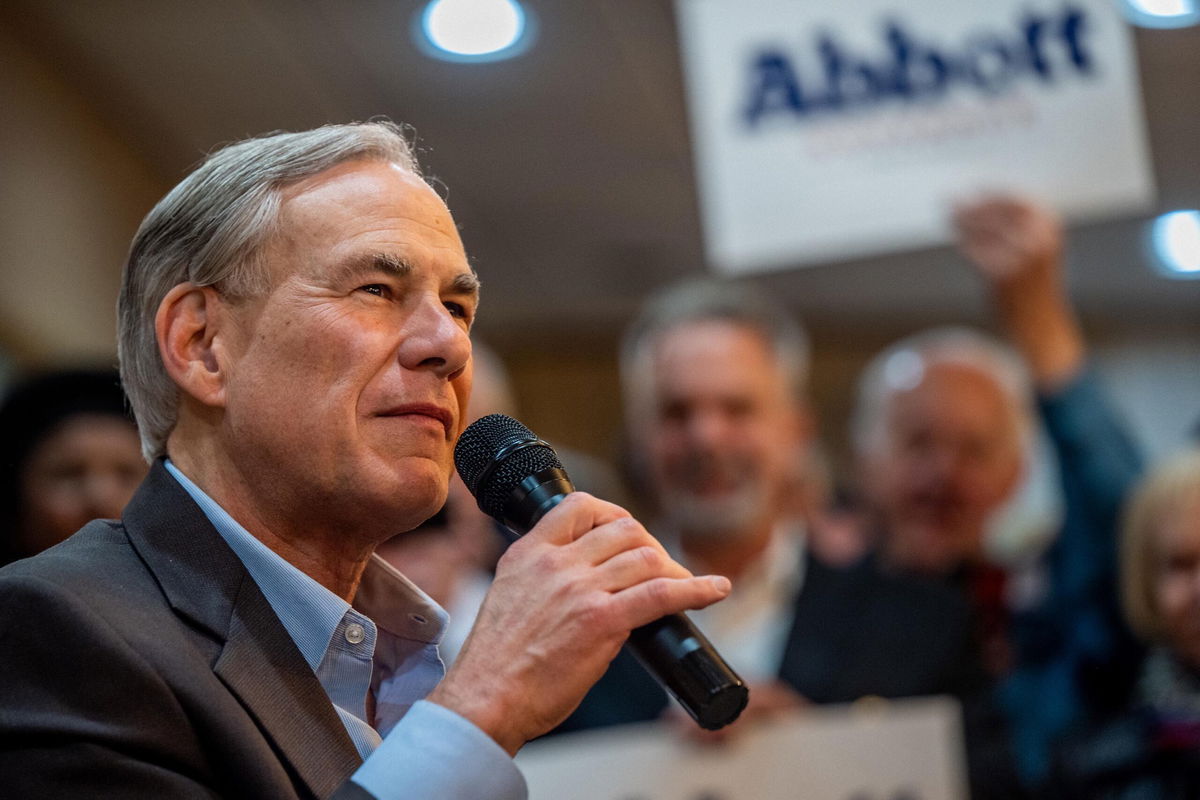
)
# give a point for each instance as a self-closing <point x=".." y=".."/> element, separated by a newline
<point x="348" y="190"/>
<point x="364" y="174"/>
<point x="371" y="201"/>
<point x="712" y="356"/>
<point x="954" y="393"/>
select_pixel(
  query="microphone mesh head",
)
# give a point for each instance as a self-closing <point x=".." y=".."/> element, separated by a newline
<point x="477" y="449"/>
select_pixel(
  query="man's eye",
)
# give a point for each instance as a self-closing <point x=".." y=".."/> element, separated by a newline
<point x="377" y="289"/>
<point x="458" y="310"/>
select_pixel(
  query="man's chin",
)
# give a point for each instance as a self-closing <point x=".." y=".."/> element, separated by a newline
<point x="933" y="546"/>
<point x="707" y="518"/>
<point x="405" y="493"/>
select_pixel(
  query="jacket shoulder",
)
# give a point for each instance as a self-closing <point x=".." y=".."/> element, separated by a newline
<point x="98" y="563"/>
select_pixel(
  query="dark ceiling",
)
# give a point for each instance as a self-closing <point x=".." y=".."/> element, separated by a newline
<point x="568" y="168"/>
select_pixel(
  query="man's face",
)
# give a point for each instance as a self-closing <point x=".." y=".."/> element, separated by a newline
<point x="723" y="432"/>
<point x="950" y="456"/>
<point x="349" y="379"/>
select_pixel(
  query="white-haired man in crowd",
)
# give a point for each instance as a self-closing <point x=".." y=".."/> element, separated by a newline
<point x="943" y="428"/>
<point x="942" y="431"/>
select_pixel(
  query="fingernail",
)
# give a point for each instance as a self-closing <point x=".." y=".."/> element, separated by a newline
<point x="721" y="583"/>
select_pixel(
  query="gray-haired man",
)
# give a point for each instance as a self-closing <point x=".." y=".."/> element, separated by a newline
<point x="294" y="324"/>
<point x="942" y="433"/>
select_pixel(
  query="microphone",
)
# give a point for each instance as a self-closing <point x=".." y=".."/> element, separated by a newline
<point x="516" y="478"/>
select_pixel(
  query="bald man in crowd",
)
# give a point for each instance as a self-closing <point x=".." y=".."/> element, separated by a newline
<point x="943" y="432"/>
<point x="294" y="323"/>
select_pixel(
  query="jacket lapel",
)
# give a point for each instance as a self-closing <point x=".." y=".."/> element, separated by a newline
<point x="810" y="658"/>
<point x="205" y="582"/>
<point x="262" y="666"/>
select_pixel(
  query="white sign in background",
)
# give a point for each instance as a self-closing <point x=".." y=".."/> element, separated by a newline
<point x="830" y="130"/>
<point x="898" y="750"/>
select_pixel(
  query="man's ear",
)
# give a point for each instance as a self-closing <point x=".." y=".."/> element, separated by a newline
<point x="191" y="326"/>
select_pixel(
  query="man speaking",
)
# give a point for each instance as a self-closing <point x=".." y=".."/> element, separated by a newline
<point x="294" y="322"/>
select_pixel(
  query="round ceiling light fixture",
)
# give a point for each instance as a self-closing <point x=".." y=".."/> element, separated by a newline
<point x="474" y="30"/>
<point x="1175" y="241"/>
<point x="1161" y="13"/>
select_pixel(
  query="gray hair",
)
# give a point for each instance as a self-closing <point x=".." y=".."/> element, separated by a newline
<point x="708" y="300"/>
<point x="902" y="366"/>
<point x="210" y="230"/>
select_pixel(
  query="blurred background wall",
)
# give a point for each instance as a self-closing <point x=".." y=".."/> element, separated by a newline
<point x="568" y="168"/>
<point x="73" y="192"/>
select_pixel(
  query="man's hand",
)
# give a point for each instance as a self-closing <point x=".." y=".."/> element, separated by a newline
<point x="1017" y="247"/>
<point x="565" y="598"/>
<point x="1011" y="241"/>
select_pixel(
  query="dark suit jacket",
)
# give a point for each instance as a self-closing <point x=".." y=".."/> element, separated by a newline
<point x="855" y="632"/>
<point x="139" y="659"/>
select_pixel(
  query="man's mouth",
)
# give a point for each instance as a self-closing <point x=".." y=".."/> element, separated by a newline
<point x="439" y="414"/>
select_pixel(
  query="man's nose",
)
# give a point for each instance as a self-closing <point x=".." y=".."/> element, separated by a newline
<point x="707" y="427"/>
<point x="435" y="339"/>
<point x="929" y="460"/>
<point x="946" y="461"/>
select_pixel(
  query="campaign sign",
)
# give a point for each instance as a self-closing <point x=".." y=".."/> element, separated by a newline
<point x="900" y="750"/>
<point x="830" y="130"/>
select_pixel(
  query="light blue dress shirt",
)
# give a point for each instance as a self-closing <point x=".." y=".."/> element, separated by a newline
<point x="415" y="748"/>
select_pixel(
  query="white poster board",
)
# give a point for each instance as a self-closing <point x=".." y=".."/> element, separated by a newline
<point x="830" y="130"/>
<point x="901" y="750"/>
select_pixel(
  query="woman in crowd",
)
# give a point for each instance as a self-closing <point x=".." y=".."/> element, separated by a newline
<point x="69" y="453"/>
<point x="1153" y="748"/>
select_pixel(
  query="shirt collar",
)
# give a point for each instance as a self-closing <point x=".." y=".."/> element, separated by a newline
<point x="309" y="612"/>
<point x="399" y="606"/>
<point x="780" y="565"/>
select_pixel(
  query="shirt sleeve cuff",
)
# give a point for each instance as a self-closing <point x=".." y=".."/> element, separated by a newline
<point x="435" y="754"/>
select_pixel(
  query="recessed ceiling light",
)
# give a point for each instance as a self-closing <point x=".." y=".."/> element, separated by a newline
<point x="1161" y="13"/>
<point x="474" y="30"/>
<point x="1175" y="239"/>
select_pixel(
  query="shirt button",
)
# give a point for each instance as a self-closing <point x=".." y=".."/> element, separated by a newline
<point x="355" y="633"/>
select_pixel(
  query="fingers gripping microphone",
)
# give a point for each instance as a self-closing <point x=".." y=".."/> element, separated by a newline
<point x="517" y="478"/>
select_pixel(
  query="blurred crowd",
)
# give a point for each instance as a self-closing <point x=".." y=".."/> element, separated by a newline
<point x="1071" y="637"/>
<point x="71" y="454"/>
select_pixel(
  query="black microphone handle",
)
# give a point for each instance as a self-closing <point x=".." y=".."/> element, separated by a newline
<point x="672" y="649"/>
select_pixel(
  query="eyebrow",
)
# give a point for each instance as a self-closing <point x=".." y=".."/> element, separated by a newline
<point x="466" y="282"/>
<point x="388" y="263"/>
<point x="374" y="262"/>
